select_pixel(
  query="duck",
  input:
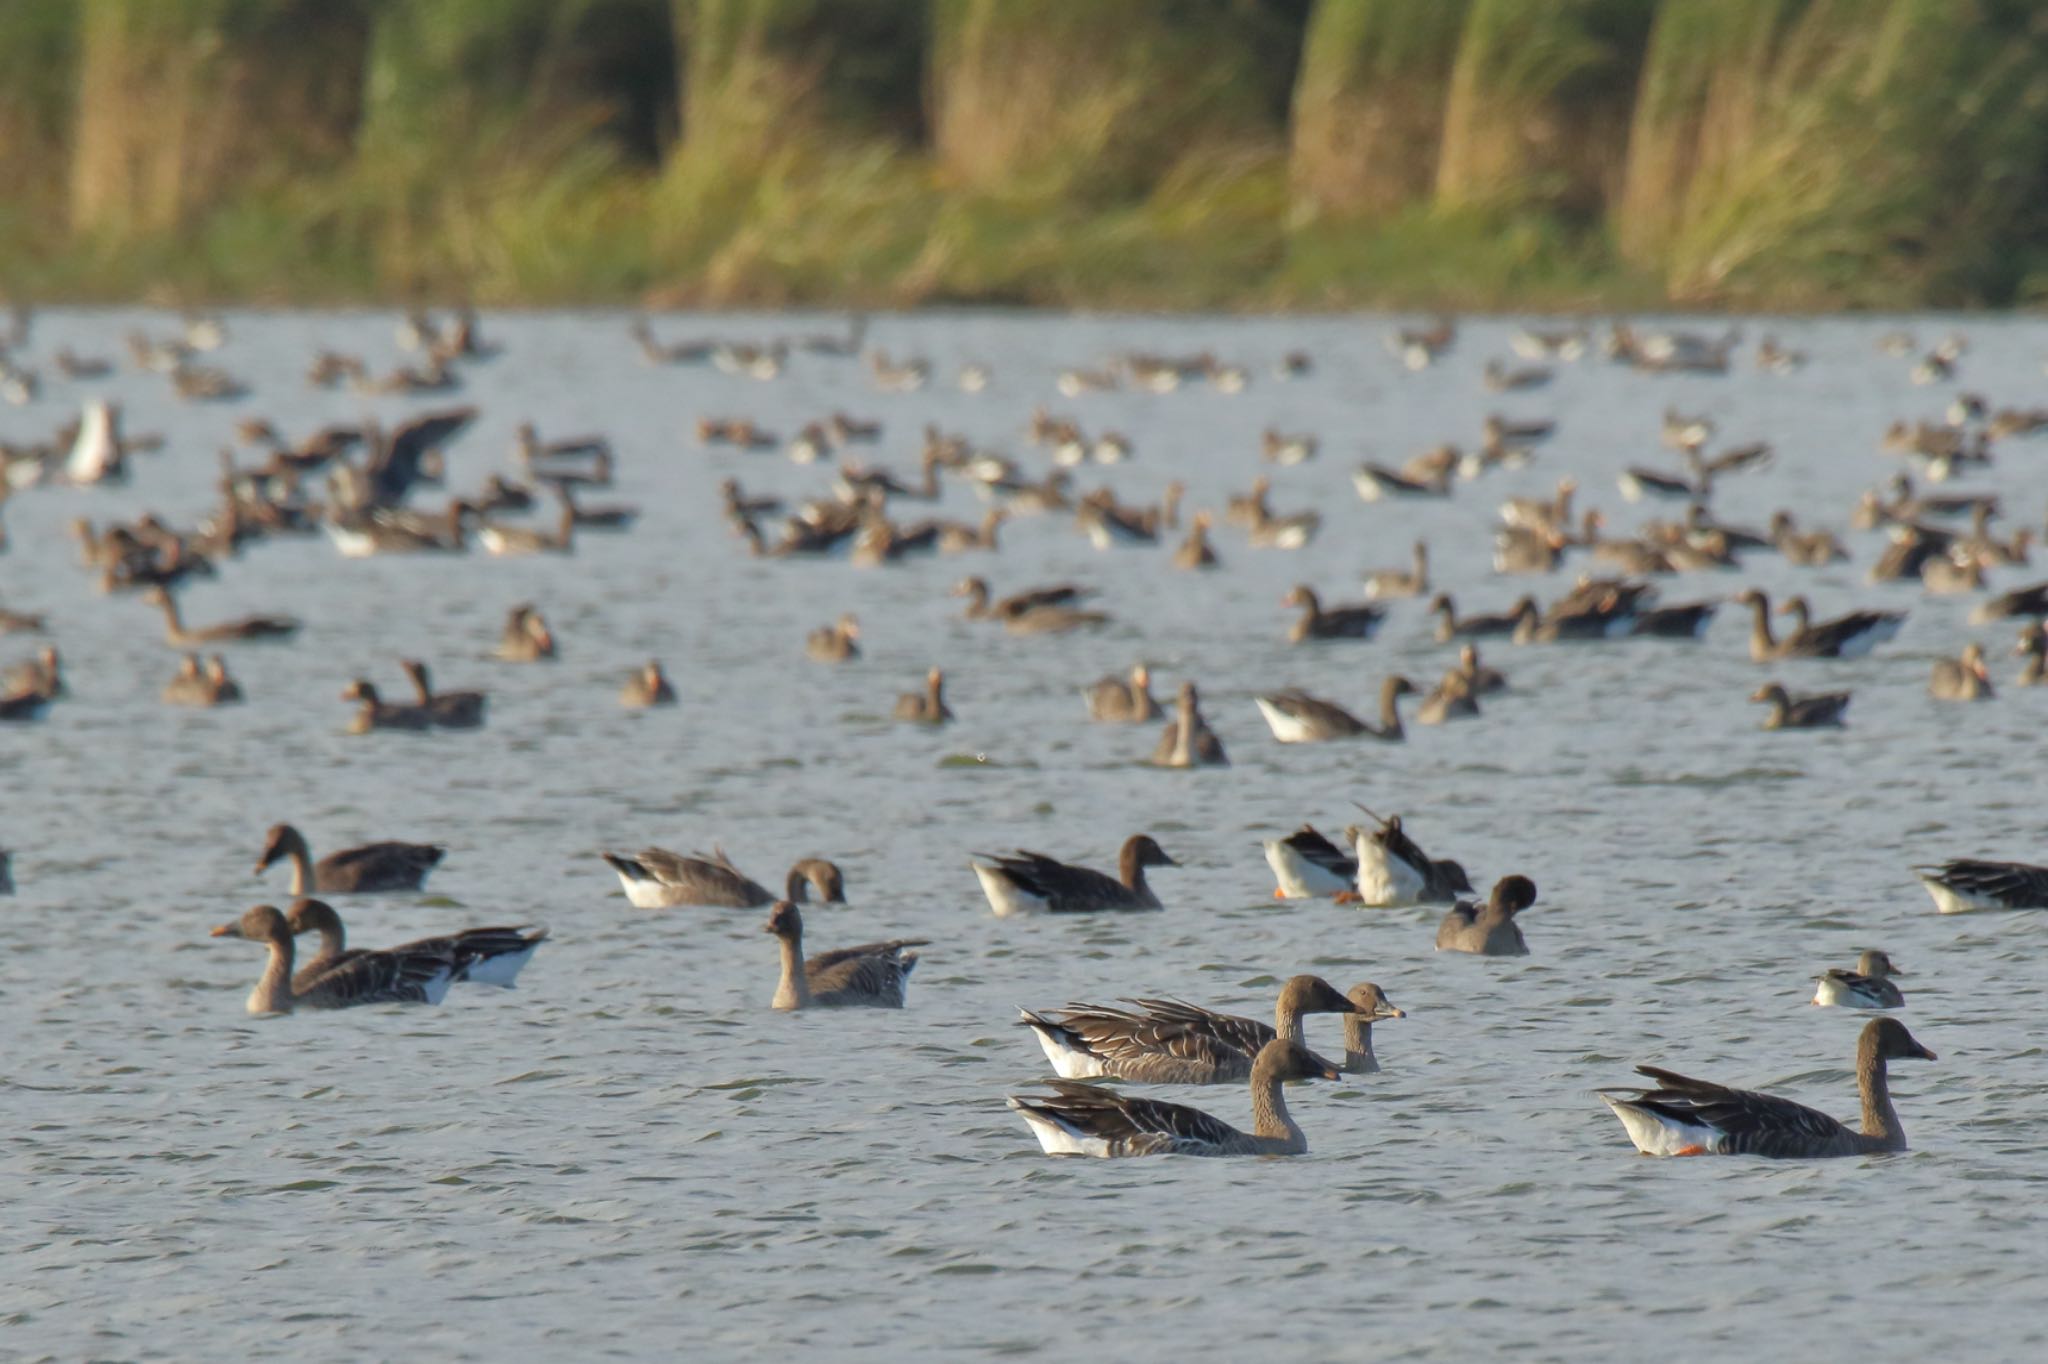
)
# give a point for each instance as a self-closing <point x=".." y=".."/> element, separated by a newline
<point x="1112" y="700"/>
<point x="1085" y="1120"/>
<point x="647" y="687"/>
<point x="526" y="637"/>
<point x="1031" y="882"/>
<point x="1962" y="679"/>
<point x="1450" y="699"/>
<point x="481" y="956"/>
<point x="1370" y="1005"/>
<point x="248" y="629"/>
<point x="1867" y="987"/>
<point x="1195" y="552"/>
<point x="927" y="707"/>
<point x="2032" y="646"/>
<point x="1308" y="866"/>
<point x="370" y="978"/>
<point x="655" y="878"/>
<point x="1168" y="1042"/>
<point x="374" y="713"/>
<point x="1968" y="883"/>
<point x="1687" y="1117"/>
<point x="1450" y="626"/>
<point x="1340" y="622"/>
<point x="1392" y="870"/>
<point x="447" y="709"/>
<point x="1821" y="710"/>
<point x="835" y="643"/>
<point x="364" y="870"/>
<point x="1391" y="582"/>
<point x="1187" y="740"/>
<point x="1489" y="930"/>
<point x="1295" y="717"/>
<point x="873" y="975"/>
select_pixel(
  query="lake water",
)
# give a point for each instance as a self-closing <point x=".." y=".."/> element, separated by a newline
<point x="631" y="1157"/>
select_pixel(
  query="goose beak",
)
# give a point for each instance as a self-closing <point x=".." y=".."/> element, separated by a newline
<point x="1389" y="1011"/>
<point x="1328" y="1073"/>
<point x="225" y="931"/>
<point x="1923" y="1053"/>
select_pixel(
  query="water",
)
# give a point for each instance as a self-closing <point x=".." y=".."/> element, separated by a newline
<point x="630" y="1156"/>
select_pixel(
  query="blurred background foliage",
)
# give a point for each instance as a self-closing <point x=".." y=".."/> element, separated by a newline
<point x="1099" y="153"/>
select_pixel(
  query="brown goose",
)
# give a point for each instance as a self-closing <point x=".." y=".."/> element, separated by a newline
<point x="1032" y="882"/>
<point x="480" y="956"/>
<point x="927" y="707"/>
<point x="655" y="878"/>
<point x="2032" y="646"/>
<point x="394" y="977"/>
<point x="1450" y="626"/>
<point x="980" y="607"/>
<point x="1969" y="883"/>
<point x="362" y="870"/>
<point x="1850" y="636"/>
<point x="1489" y="930"/>
<point x="2021" y="601"/>
<point x="835" y="643"/>
<point x="1393" y="582"/>
<point x="1340" y="622"/>
<point x="1687" y="1117"/>
<point x="374" y="713"/>
<point x="248" y="628"/>
<point x="189" y="687"/>
<point x="1823" y="710"/>
<point x="647" y="687"/>
<point x="1167" y="1042"/>
<point x="1295" y="717"/>
<point x="874" y="975"/>
<point x="1371" y="1006"/>
<point x="1196" y="552"/>
<point x="526" y="637"/>
<point x="1480" y="680"/>
<point x="447" y="709"/>
<point x="1962" y="679"/>
<point x="506" y="541"/>
<point x="1450" y="699"/>
<point x="225" y="689"/>
<point x="1869" y="986"/>
<point x="43" y="674"/>
<point x="1086" y="1120"/>
<point x="1187" y="740"/>
<point x="1112" y="700"/>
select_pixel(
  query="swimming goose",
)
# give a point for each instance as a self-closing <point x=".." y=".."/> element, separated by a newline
<point x="2032" y="646"/>
<point x="1308" y="866"/>
<point x="1286" y="450"/>
<point x="1167" y="1042"/>
<point x="958" y="538"/>
<point x="1376" y="481"/>
<point x="1450" y="699"/>
<point x="189" y="687"/>
<point x="1295" y="717"/>
<point x="481" y="956"/>
<point x="873" y="975"/>
<point x="980" y="607"/>
<point x="2022" y="601"/>
<point x="1962" y="679"/>
<point x="1113" y="700"/>
<point x="1516" y="550"/>
<point x="1501" y="379"/>
<point x="43" y="674"/>
<point x="1489" y="930"/>
<point x="927" y="707"/>
<point x="1687" y="1117"/>
<point x="1187" y="740"/>
<point x="250" y="628"/>
<point x="1196" y="552"/>
<point x="1943" y="575"/>
<point x="655" y="878"/>
<point x="1809" y="549"/>
<point x="1688" y="620"/>
<point x="362" y="870"/>
<point x="1969" y="883"/>
<point x="505" y="540"/>
<point x="1392" y="870"/>
<point x="1866" y="987"/>
<point x="526" y="637"/>
<point x="1266" y="531"/>
<point x="1391" y="582"/>
<point x="370" y="978"/>
<point x="1085" y="1120"/>
<point x="1822" y="710"/>
<point x="1340" y="622"/>
<point x="647" y="687"/>
<point x="1032" y="882"/>
<point x="1480" y="680"/>
<point x="447" y="709"/>
<point x="1450" y="626"/>
<point x="834" y="643"/>
<point x="373" y="712"/>
<point x="1372" y="1007"/>
<point x="1849" y="636"/>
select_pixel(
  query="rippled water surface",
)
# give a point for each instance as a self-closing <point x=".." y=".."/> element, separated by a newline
<point x="630" y="1156"/>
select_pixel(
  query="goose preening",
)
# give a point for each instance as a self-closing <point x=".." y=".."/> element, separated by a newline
<point x="1850" y="636"/>
<point x="1687" y="1117"/>
<point x="373" y="712"/>
<point x="1489" y="930"/>
<point x="835" y="643"/>
<point x="393" y="977"/>
<point x="1820" y="710"/>
<point x="655" y="878"/>
<point x="874" y="975"/>
<point x="526" y="637"/>
<point x="1187" y="740"/>
<point x="245" y="630"/>
<point x="1869" y="986"/>
<point x="1337" y="622"/>
<point x="1969" y="883"/>
<point x="447" y="709"/>
<point x="927" y="707"/>
<point x="1112" y="700"/>
<point x="364" y="870"/>
<point x="1962" y="679"/>
<point x="1168" y="1042"/>
<point x="1085" y="1120"/>
<point x="1295" y="717"/>
<point x="1392" y="870"/>
<point x="481" y="956"/>
<point x="1032" y="882"/>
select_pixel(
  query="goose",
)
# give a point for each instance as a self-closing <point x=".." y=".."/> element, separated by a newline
<point x="1084" y="1120"/>
<point x="1480" y="680"/>
<point x="1542" y="513"/>
<point x="1968" y="883"/>
<point x="1943" y="575"/>
<point x="1808" y="549"/>
<point x="364" y="870"/>
<point x="360" y="534"/>
<point x="1450" y="626"/>
<point x="1850" y="636"/>
<point x="1450" y="699"/>
<point x="1773" y="358"/>
<point x="1394" y="871"/>
<point x="1286" y="450"/>
<point x="1112" y="700"/>
<point x="1032" y="882"/>
<point x="1866" y="987"/>
<point x="1187" y="740"/>
<point x="2021" y="601"/>
<point x="1687" y="1117"/>
<point x="1689" y="620"/>
<point x="394" y="977"/>
<point x="667" y="353"/>
<point x="1489" y="930"/>
<point x="1295" y="717"/>
<point x="1267" y="531"/>
<point x="481" y="956"/>
<point x="1339" y="622"/>
<point x="189" y="687"/>
<point x="44" y="674"/>
<point x="957" y="538"/>
<point x="1581" y="619"/>
<point x="526" y="637"/>
<point x="1308" y="866"/>
<point x="655" y="878"/>
<point x="2032" y="646"/>
<point x="980" y="607"/>
<point x="1391" y="582"/>
<point x="1370" y="1006"/>
<point x="256" y="629"/>
<point x="1962" y="679"/>
<point x="835" y="643"/>
<point x="1823" y="710"/>
<point x="506" y="541"/>
<point x="373" y="712"/>
<point x="1516" y="550"/>
<point x="1501" y="379"/>
<point x="1638" y="483"/>
<point x="646" y="688"/>
<point x="873" y="975"/>
<point x="447" y="709"/>
<point x="1167" y="1042"/>
<point x="1196" y="552"/>
<point x="1532" y="344"/>
<point x="927" y="707"/>
<point x="1376" y="482"/>
<point x="1497" y="430"/>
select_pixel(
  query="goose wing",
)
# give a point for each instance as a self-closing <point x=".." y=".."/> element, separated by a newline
<point x="1245" y="1035"/>
<point x="1131" y="1043"/>
<point x="2017" y="884"/>
<point x="375" y="866"/>
<point x="1313" y="847"/>
<point x="1061" y="886"/>
<point x="1133" y="1126"/>
<point x="1753" y="1123"/>
<point x="1317" y="715"/>
<point x="388" y="977"/>
<point x="876" y="971"/>
<point x="706" y="880"/>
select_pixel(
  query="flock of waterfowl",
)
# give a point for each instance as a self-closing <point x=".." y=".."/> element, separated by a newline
<point x="356" y="485"/>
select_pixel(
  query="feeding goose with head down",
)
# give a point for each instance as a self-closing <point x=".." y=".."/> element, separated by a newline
<point x="1308" y="866"/>
<point x="1168" y="1042"/>
<point x="1392" y="870"/>
<point x="397" y="976"/>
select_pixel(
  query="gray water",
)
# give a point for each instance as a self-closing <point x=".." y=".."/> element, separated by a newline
<point x="630" y="1156"/>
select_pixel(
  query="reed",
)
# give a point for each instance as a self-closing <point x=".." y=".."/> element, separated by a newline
<point x="38" y="75"/>
<point x="1369" y="104"/>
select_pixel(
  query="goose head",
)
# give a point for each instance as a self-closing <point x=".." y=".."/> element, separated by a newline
<point x="1889" y="1038"/>
<point x="261" y="924"/>
<point x="1314" y="995"/>
<point x="1366" y="998"/>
